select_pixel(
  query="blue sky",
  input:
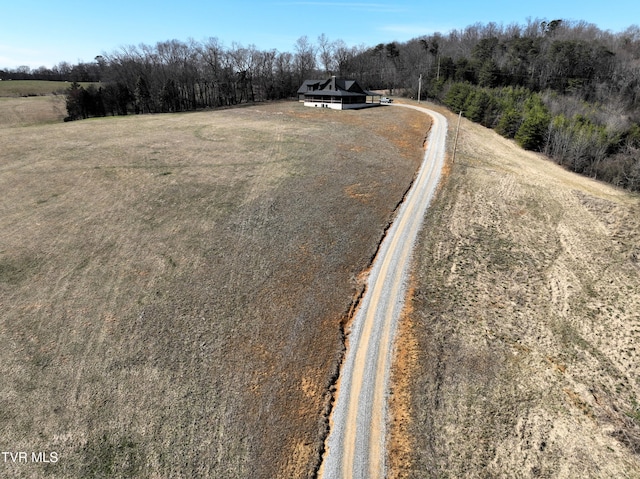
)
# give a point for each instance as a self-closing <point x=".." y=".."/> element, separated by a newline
<point x="46" y="32"/>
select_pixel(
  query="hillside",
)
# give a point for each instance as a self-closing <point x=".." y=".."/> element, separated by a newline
<point x="173" y="287"/>
<point x="518" y="356"/>
<point x="173" y="290"/>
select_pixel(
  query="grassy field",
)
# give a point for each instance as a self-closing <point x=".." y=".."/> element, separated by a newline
<point x="29" y="111"/>
<point x="519" y="355"/>
<point x="32" y="102"/>
<point x="172" y="287"/>
<point x="23" y="88"/>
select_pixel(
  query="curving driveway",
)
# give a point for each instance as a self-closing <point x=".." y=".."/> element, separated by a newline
<point x="356" y="443"/>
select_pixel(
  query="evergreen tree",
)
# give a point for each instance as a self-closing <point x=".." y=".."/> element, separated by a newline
<point x="74" y="102"/>
<point x="533" y="131"/>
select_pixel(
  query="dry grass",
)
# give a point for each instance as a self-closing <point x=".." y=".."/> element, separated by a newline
<point x="171" y="286"/>
<point x="19" y="112"/>
<point x="520" y="355"/>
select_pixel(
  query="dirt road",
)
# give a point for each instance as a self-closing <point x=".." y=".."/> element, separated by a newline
<point x="355" y="446"/>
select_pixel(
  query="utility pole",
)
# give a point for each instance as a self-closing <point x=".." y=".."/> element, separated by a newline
<point x="419" y="87"/>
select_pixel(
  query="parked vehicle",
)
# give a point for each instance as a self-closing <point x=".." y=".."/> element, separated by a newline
<point x="384" y="99"/>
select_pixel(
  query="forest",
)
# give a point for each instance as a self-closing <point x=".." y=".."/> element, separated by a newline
<point x="564" y="88"/>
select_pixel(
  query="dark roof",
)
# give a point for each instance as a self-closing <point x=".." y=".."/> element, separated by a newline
<point x="333" y="87"/>
<point x="307" y="83"/>
<point x="333" y="93"/>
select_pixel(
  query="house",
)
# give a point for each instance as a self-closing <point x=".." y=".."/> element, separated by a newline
<point x="336" y="93"/>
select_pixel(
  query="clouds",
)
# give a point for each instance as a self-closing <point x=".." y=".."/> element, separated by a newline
<point x="12" y="57"/>
<point x="360" y="6"/>
<point x="408" y="29"/>
<point x="57" y="31"/>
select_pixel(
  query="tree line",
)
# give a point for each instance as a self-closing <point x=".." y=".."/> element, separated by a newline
<point x="564" y="88"/>
<point x="567" y="89"/>
<point x="176" y="76"/>
<point x="63" y="71"/>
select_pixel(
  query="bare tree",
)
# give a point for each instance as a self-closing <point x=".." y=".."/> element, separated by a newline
<point x="285" y="81"/>
<point x="305" y="58"/>
<point x="327" y="58"/>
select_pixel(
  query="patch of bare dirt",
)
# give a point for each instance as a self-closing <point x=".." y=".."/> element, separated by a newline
<point x="401" y="444"/>
<point x="524" y="324"/>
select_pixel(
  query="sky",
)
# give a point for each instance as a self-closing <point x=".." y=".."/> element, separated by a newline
<point x="38" y="33"/>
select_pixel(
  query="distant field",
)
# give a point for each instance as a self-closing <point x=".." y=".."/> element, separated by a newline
<point x="36" y="110"/>
<point x="32" y="102"/>
<point x="172" y="286"/>
<point x="15" y="88"/>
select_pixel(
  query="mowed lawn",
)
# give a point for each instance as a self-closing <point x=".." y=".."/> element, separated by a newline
<point x="172" y="287"/>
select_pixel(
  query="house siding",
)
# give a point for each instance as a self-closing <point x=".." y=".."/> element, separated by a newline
<point x="336" y="106"/>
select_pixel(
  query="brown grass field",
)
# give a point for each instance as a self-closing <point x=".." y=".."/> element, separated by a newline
<point x="173" y="287"/>
<point x="29" y="111"/>
<point x="33" y="102"/>
<point x="173" y="290"/>
<point x="519" y="355"/>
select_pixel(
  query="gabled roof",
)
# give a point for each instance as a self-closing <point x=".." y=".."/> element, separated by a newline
<point x="309" y="83"/>
<point x="334" y="87"/>
<point x="342" y="84"/>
